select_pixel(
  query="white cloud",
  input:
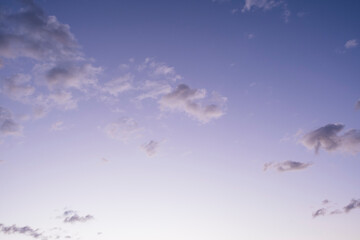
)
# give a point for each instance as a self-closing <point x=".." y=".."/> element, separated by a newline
<point x="262" y="4"/>
<point x="123" y="129"/>
<point x="119" y="85"/>
<point x="153" y="89"/>
<point x="351" y="43"/>
<point x="185" y="99"/>
<point x="159" y="70"/>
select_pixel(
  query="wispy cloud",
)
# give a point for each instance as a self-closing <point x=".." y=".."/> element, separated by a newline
<point x="150" y="148"/>
<point x="186" y="99"/>
<point x="287" y="166"/>
<point x="71" y="216"/>
<point x="28" y="231"/>
<point x="319" y="212"/>
<point x="354" y="204"/>
<point x="123" y="129"/>
<point x="261" y="4"/>
<point x="267" y="5"/>
<point x="57" y="126"/>
<point x="328" y="138"/>
<point x="351" y="43"/>
<point x="119" y="85"/>
<point x="8" y="126"/>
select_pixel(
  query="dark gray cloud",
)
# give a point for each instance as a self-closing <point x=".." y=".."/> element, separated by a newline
<point x="355" y="203"/>
<point x="328" y="138"/>
<point x="73" y="217"/>
<point x="31" y="33"/>
<point x="59" y="63"/>
<point x="150" y="148"/>
<point x="28" y="231"/>
<point x="319" y="212"/>
<point x="8" y="126"/>
<point x="187" y="100"/>
<point x="287" y="166"/>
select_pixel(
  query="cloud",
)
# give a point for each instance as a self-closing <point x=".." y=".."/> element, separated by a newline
<point x="58" y="62"/>
<point x="31" y="33"/>
<point x="70" y="75"/>
<point x="261" y="4"/>
<point x="123" y="129"/>
<point x="351" y="43"/>
<point x="153" y="89"/>
<point x="250" y="36"/>
<point x="28" y="231"/>
<point x="287" y="166"/>
<point x="8" y="126"/>
<point x="267" y="5"/>
<point x="159" y="70"/>
<point x="357" y="105"/>
<point x="17" y="87"/>
<point x="328" y="138"/>
<point x="150" y="148"/>
<point x="72" y="217"/>
<point x="57" y="126"/>
<point x="355" y="203"/>
<point x="319" y="212"/>
<point x="119" y="85"/>
<point x="185" y="99"/>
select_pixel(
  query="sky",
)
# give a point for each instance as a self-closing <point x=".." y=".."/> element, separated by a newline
<point x="165" y="119"/>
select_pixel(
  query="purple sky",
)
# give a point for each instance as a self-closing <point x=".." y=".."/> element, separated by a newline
<point x="165" y="119"/>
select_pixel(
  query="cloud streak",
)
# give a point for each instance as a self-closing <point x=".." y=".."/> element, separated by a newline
<point x="287" y="166"/>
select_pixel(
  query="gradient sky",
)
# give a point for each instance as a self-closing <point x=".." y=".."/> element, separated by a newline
<point x="165" y="119"/>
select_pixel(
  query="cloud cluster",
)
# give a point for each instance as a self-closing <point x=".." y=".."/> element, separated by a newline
<point x="185" y="99"/>
<point x="150" y="148"/>
<point x="328" y="138"/>
<point x="59" y="64"/>
<point x="354" y="204"/>
<point x="72" y="217"/>
<point x="267" y="5"/>
<point x="8" y="126"/>
<point x="28" y="231"/>
<point x="286" y="166"/>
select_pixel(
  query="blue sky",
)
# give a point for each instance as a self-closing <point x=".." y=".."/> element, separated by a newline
<point x="209" y="119"/>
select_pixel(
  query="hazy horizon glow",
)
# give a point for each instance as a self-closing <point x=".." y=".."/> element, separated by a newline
<point x="158" y="120"/>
